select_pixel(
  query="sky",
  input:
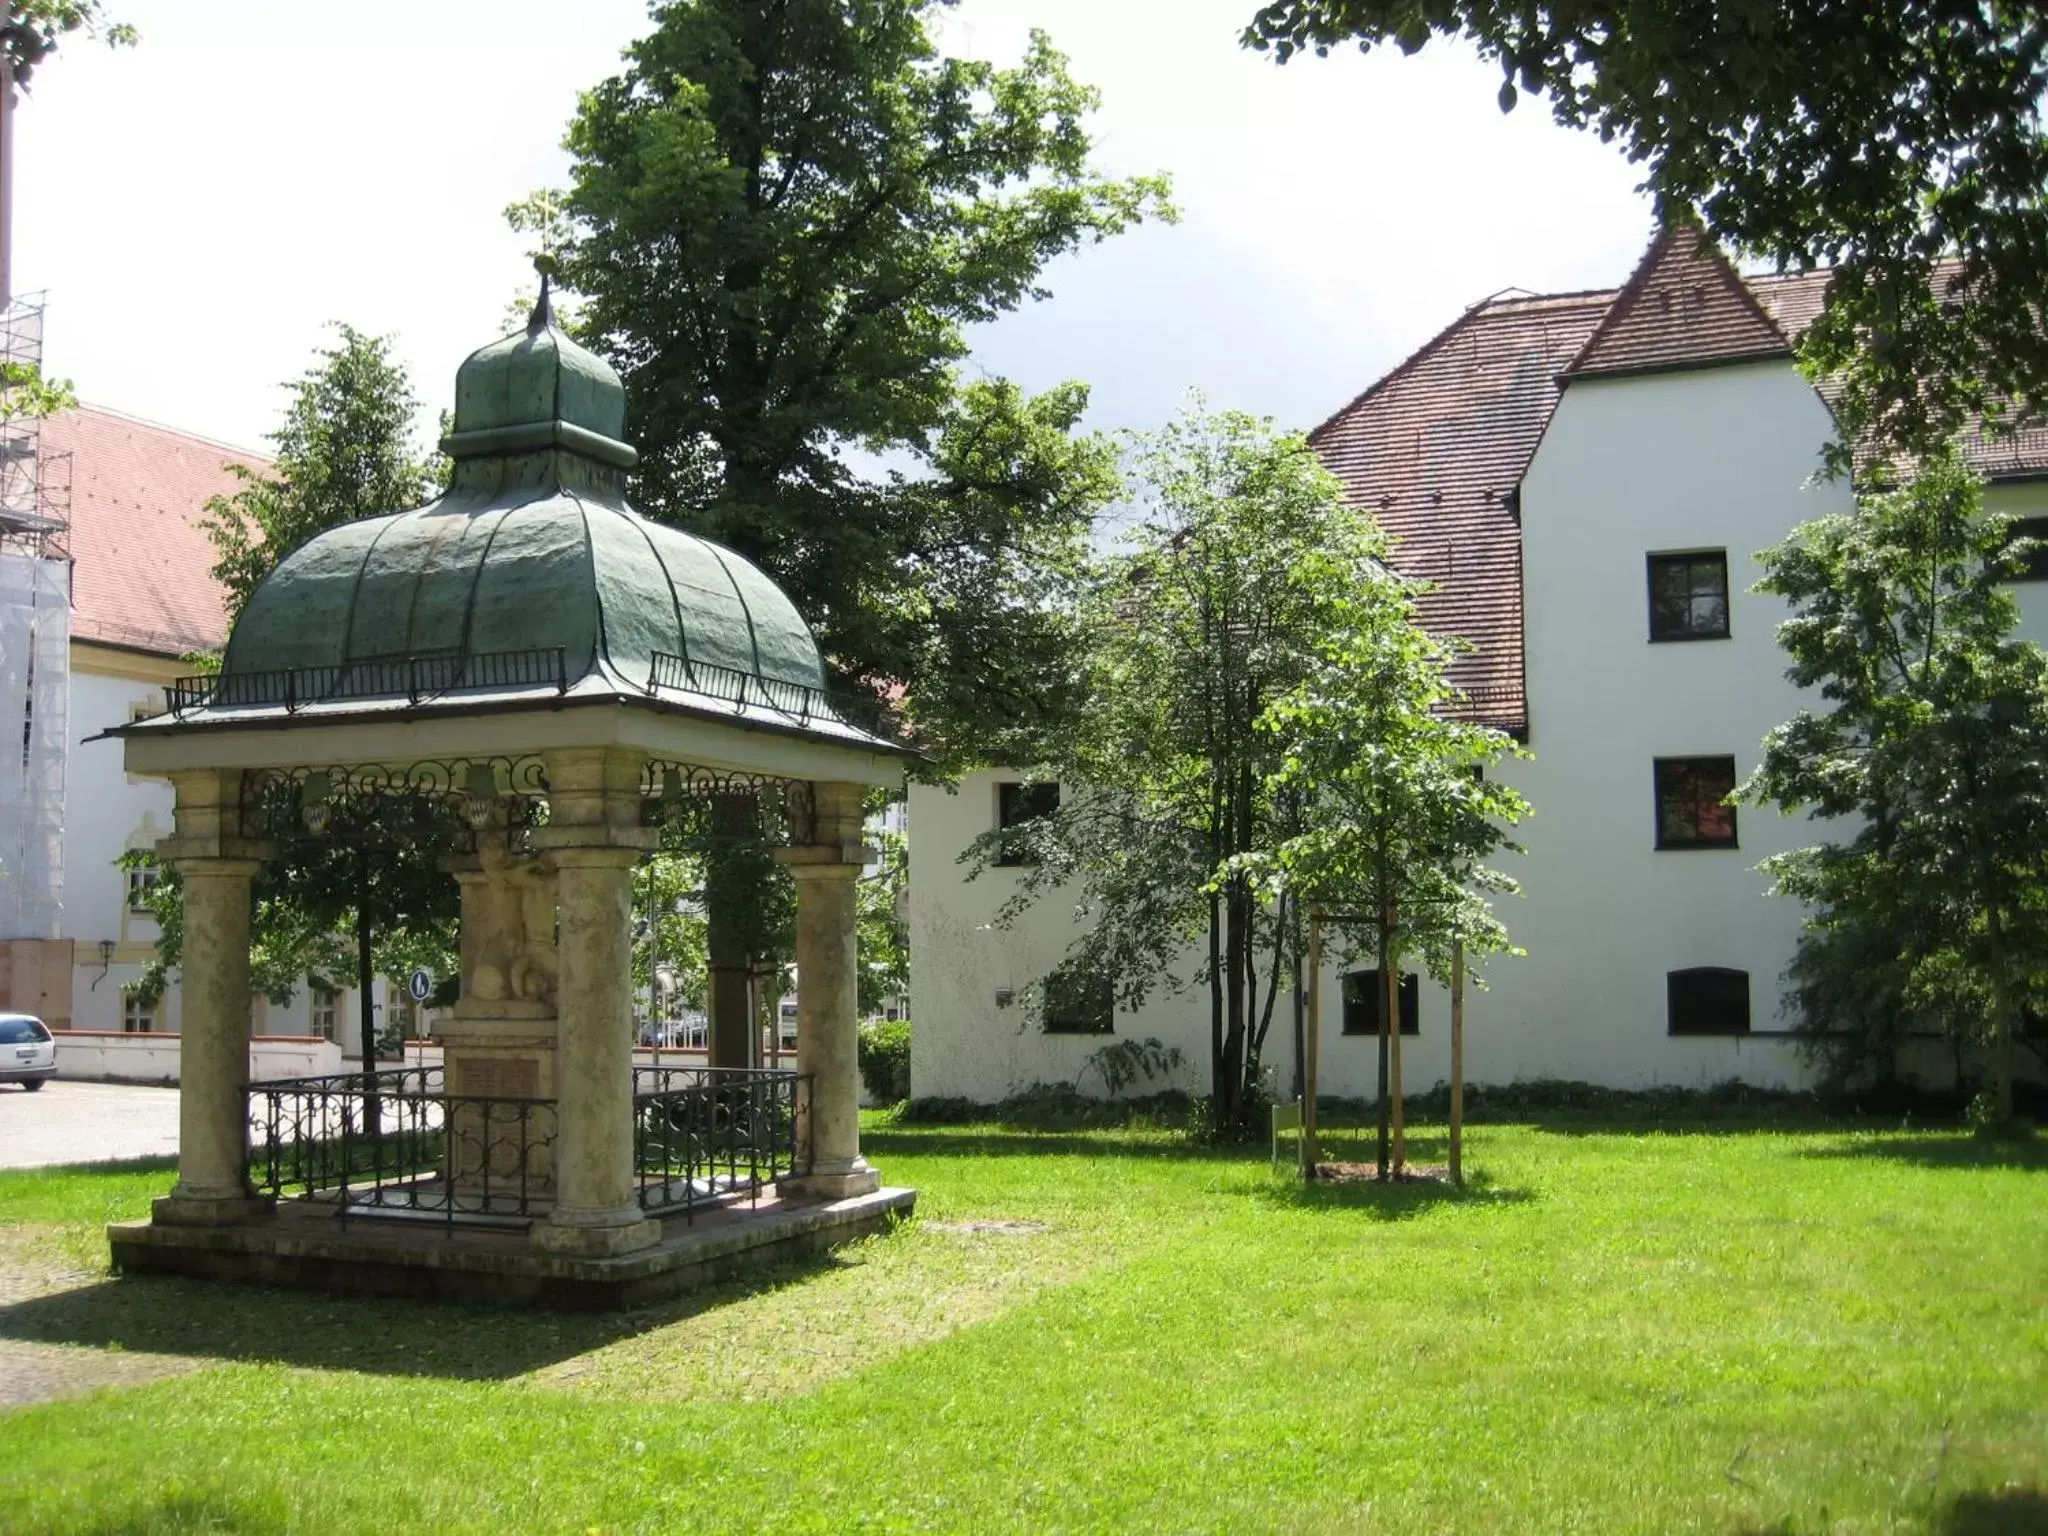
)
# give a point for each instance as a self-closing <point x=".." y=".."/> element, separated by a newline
<point x="200" y="207"/>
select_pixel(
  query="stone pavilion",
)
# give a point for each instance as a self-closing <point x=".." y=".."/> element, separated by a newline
<point x="536" y="675"/>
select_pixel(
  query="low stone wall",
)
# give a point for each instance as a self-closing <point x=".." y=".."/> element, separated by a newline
<point x="113" y="1056"/>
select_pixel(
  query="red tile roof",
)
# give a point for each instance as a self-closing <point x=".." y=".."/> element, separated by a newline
<point x="1436" y="450"/>
<point x="141" y="572"/>
<point x="1685" y="307"/>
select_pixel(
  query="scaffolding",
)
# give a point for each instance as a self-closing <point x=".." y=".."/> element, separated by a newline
<point x="35" y="643"/>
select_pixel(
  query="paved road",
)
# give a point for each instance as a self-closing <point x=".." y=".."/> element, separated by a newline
<point x="69" y="1122"/>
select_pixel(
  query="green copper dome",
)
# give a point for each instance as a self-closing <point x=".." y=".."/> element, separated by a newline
<point x="539" y="389"/>
<point x="532" y="570"/>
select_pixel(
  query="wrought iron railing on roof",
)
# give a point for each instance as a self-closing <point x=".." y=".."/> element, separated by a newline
<point x="414" y="678"/>
<point x="742" y="690"/>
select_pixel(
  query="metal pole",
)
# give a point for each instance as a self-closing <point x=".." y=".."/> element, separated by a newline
<point x="7" y="106"/>
<point x="1457" y="1060"/>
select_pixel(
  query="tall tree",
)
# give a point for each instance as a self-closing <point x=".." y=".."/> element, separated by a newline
<point x="783" y="215"/>
<point x="346" y="450"/>
<point x="1238" y="573"/>
<point x="782" y="218"/>
<point x="1397" y="813"/>
<point x="1902" y="143"/>
<point x="1933" y="739"/>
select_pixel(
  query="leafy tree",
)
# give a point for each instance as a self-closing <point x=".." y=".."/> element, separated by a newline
<point x="26" y="395"/>
<point x="884" y="940"/>
<point x="781" y="220"/>
<point x="1396" y="813"/>
<point x="345" y="450"/>
<point x="668" y="950"/>
<point x="1886" y="140"/>
<point x="34" y="28"/>
<point x="1934" y="742"/>
<point x="372" y="867"/>
<point x="1240" y="571"/>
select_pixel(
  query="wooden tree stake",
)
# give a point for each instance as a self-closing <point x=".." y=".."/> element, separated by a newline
<point x="1457" y="1061"/>
<point x="1311" y="1153"/>
<point x="1390" y="979"/>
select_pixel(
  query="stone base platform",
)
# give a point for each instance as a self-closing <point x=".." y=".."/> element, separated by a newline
<point x="308" y="1245"/>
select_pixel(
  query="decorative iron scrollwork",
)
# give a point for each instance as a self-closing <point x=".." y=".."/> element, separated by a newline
<point x="462" y="795"/>
<point x="674" y="794"/>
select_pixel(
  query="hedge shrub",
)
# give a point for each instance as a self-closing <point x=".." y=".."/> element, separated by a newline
<point x="885" y="1059"/>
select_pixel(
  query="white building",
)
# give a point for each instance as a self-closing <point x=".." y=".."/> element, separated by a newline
<point x="142" y="601"/>
<point x="1587" y="478"/>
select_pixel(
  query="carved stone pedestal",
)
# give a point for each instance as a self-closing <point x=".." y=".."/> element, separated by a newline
<point x="499" y="1042"/>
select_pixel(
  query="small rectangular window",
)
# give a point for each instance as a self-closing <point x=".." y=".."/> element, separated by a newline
<point x="323" y="1015"/>
<point x="1708" y="1000"/>
<point x="1362" y="1003"/>
<point x="2035" y="566"/>
<point x="1079" y="1004"/>
<point x="1690" y="792"/>
<point x="1689" y="596"/>
<point x="142" y="879"/>
<point x="1017" y="805"/>
<point x="137" y="1017"/>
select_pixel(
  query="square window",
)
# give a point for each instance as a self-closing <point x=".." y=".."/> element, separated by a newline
<point x="2035" y="566"/>
<point x="1689" y="596"/>
<point x="1362" y="1003"/>
<point x="1708" y="1000"/>
<point x="137" y="1017"/>
<point x="1016" y="806"/>
<point x="142" y="879"/>
<point x="1079" y="1004"/>
<point x="1690" y="791"/>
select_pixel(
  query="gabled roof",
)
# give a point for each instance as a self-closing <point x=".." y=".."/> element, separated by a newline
<point x="141" y="565"/>
<point x="1435" y="451"/>
<point x="1685" y="307"/>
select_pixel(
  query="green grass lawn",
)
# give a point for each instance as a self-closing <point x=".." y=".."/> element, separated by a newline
<point x="1726" y="1328"/>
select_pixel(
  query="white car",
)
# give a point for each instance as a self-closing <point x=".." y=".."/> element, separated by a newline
<point x="28" y="1055"/>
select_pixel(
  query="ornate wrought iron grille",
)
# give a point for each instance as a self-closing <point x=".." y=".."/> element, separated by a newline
<point x="414" y="678"/>
<point x="704" y="1135"/>
<point x="675" y="793"/>
<point x="394" y="1143"/>
<point x="418" y="799"/>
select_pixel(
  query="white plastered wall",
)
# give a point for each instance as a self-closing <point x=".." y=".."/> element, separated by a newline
<point x="111" y="812"/>
<point x="965" y="1044"/>
<point x="1720" y="458"/>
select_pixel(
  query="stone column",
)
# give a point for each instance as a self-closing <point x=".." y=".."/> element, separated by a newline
<point x="827" y="994"/>
<point x="593" y="840"/>
<point x="217" y="865"/>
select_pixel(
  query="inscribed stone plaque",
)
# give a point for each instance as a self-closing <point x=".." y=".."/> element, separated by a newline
<point x="498" y="1077"/>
